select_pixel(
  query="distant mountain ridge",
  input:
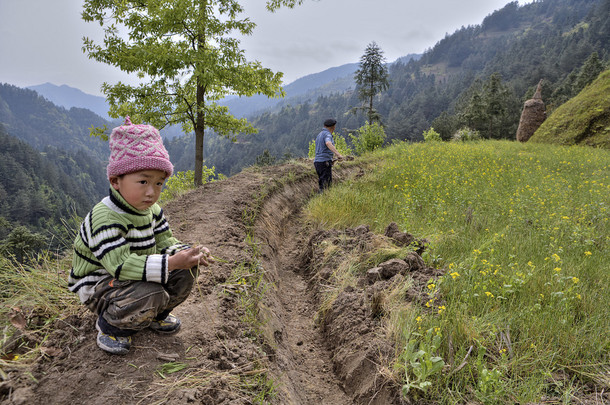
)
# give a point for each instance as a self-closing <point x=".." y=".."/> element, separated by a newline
<point x="32" y="118"/>
<point x="337" y="79"/>
<point x="68" y="97"/>
<point x="333" y="80"/>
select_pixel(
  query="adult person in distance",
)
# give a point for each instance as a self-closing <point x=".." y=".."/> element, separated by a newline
<point x="325" y="148"/>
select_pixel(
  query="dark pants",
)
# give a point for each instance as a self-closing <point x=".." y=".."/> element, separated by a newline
<point x="325" y="173"/>
<point x="124" y="307"/>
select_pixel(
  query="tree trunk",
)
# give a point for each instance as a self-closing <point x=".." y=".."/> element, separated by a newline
<point x="199" y="133"/>
<point x="371" y="103"/>
<point x="200" y="105"/>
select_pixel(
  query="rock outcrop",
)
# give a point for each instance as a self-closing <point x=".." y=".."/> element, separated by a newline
<point x="532" y="116"/>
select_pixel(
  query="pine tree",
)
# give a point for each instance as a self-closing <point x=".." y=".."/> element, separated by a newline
<point x="588" y="72"/>
<point x="371" y="78"/>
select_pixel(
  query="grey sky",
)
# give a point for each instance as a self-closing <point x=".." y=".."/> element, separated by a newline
<point x="41" y="40"/>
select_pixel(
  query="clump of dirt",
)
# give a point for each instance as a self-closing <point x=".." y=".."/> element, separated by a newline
<point x="353" y="323"/>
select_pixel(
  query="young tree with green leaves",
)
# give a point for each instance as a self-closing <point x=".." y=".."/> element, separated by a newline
<point x="371" y="78"/>
<point x="183" y="52"/>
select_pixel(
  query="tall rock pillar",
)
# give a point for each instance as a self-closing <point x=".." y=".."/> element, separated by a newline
<point x="532" y="116"/>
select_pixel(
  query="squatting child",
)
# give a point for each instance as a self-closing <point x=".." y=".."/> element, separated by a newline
<point x="128" y="269"/>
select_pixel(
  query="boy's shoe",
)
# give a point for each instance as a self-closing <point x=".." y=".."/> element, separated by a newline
<point x="112" y="344"/>
<point x="169" y="325"/>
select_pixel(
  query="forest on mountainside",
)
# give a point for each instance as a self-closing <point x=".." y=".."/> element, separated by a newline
<point x="34" y="119"/>
<point x="478" y="76"/>
<point x="51" y="169"/>
<point x="41" y="191"/>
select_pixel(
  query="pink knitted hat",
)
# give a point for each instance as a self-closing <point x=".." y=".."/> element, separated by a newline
<point x="137" y="147"/>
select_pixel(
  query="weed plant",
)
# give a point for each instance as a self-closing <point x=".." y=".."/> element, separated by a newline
<point x="523" y="234"/>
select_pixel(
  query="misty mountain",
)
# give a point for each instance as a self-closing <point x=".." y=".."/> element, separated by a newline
<point x="68" y="97"/>
<point x="308" y="88"/>
<point x="51" y="168"/>
<point x="32" y="118"/>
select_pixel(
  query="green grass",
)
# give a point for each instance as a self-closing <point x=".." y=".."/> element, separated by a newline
<point x="523" y="233"/>
<point x="32" y="297"/>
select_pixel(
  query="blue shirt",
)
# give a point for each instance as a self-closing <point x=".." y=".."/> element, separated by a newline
<point x="323" y="154"/>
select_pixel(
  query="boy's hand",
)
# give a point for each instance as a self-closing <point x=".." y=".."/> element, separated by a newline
<point x="185" y="259"/>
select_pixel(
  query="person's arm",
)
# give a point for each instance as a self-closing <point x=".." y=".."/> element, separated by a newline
<point x="181" y="256"/>
<point x="330" y="146"/>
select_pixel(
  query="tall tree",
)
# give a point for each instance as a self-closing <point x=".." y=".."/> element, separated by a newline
<point x="490" y="108"/>
<point x="183" y="52"/>
<point x="371" y="77"/>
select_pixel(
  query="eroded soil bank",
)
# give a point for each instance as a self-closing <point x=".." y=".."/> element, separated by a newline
<point x="224" y="355"/>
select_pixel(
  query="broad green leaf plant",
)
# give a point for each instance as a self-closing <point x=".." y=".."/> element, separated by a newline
<point x="420" y="361"/>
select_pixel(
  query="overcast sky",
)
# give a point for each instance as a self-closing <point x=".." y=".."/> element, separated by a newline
<point x="41" y="40"/>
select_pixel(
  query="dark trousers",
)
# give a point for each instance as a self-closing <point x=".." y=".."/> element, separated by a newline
<point x="124" y="307"/>
<point x="325" y="173"/>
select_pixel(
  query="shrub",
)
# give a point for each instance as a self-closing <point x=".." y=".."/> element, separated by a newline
<point x="265" y="159"/>
<point x="182" y="182"/>
<point x="432" y="136"/>
<point x="312" y="149"/>
<point x="466" y="134"/>
<point x="369" y="137"/>
<point x="340" y="144"/>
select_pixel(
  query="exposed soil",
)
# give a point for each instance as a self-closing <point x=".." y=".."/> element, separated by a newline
<point x="224" y="355"/>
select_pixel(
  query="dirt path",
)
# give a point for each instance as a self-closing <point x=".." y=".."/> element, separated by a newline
<point x="217" y="357"/>
<point x="303" y="364"/>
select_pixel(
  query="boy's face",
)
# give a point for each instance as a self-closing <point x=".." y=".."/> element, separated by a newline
<point x="140" y="189"/>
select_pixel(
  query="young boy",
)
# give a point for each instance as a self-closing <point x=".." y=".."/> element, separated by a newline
<point x="128" y="269"/>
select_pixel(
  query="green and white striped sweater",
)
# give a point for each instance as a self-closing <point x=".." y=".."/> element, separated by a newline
<point x="117" y="239"/>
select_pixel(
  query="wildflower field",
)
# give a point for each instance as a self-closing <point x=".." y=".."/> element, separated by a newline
<point x="522" y="231"/>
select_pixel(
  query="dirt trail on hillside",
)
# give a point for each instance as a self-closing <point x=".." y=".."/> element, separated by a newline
<point x="217" y="357"/>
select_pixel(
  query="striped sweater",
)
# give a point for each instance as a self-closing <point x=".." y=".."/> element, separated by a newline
<point x="117" y="239"/>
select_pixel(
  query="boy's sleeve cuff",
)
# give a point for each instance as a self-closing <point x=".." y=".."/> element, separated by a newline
<point x="157" y="268"/>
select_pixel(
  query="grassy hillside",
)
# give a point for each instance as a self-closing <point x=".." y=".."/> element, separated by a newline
<point x="522" y="234"/>
<point x="585" y="119"/>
